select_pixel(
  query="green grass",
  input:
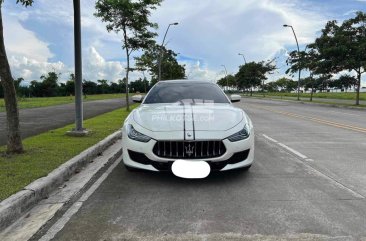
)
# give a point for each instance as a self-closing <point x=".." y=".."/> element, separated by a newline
<point x="35" y="102"/>
<point x="328" y="95"/>
<point x="49" y="150"/>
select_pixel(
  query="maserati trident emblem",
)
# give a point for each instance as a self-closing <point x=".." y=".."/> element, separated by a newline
<point x="189" y="150"/>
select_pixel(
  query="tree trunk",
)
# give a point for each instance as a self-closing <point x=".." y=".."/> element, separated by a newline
<point x="312" y="87"/>
<point x="358" y="87"/>
<point x="14" y="144"/>
<point x="127" y="73"/>
<point x="312" y="92"/>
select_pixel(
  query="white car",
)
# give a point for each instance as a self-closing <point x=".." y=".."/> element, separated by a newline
<point x="187" y="120"/>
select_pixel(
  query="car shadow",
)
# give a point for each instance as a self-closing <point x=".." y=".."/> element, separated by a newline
<point x="168" y="177"/>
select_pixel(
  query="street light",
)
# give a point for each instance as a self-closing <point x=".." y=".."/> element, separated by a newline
<point x="298" y="51"/>
<point x="161" y="49"/>
<point x="245" y="61"/>
<point x="227" y="82"/>
<point x="78" y="130"/>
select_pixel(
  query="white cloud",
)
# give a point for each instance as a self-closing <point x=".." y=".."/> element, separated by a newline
<point x="22" y="42"/>
<point x="32" y="69"/>
<point x="96" y="67"/>
<point x="217" y="30"/>
<point x="212" y="31"/>
<point x="195" y="70"/>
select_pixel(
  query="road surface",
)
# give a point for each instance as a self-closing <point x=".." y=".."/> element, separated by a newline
<point x="308" y="183"/>
<point x="37" y="120"/>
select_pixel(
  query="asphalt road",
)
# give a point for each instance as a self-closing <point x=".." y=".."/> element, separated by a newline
<point x="37" y="120"/>
<point x="307" y="183"/>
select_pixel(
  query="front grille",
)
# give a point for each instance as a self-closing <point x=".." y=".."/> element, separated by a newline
<point x="189" y="149"/>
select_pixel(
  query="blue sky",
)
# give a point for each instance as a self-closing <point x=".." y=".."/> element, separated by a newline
<point x="210" y="33"/>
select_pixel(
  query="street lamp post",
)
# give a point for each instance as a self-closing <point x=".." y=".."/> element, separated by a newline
<point x="161" y="49"/>
<point x="78" y="130"/>
<point x="298" y="51"/>
<point x="245" y="61"/>
<point x="227" y="81"/>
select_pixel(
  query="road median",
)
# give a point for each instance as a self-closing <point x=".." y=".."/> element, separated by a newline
<point x="13" y="207"/>
<point x="314" y="102"/>
<point x="51" y="159"/>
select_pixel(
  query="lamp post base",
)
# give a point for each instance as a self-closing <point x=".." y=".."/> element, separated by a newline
<point x="76" y="133"/>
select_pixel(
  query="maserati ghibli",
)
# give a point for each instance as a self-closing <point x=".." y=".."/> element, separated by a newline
<point x="187" y="120"/>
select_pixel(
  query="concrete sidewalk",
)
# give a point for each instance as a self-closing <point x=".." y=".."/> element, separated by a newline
<point x="37" y="120"/>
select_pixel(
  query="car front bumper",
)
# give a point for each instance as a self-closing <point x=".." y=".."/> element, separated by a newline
<point x="156" y="162"/>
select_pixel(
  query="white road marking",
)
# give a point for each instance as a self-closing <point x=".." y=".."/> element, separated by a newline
<point x="305" y="158"/>
<point x="269" y="138"/>
<point x="293" y="151"/>
<point x="60" y="224"/>
<point x="286" y="147"/>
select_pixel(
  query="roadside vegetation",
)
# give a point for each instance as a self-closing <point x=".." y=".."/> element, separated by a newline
<point x="25" y="103"/>
<point x="47" y="151"/>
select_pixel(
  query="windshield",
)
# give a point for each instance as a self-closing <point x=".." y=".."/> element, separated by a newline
<point x="180" y="92"/>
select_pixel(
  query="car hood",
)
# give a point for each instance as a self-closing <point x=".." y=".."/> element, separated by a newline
<point x="198" y="117"/>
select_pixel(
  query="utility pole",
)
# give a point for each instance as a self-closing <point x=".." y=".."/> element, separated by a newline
<point x="227" y="81"/>
<point x="245" y="61"/>
<point x="161" y="50"/>
<point x="298" y="51"/>
<point x="78" y="130"/>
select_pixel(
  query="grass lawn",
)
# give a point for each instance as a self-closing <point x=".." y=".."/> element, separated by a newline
<point x="35" y="102"/>
<point x="49" y="150"/>
<point x="328" y="95"/>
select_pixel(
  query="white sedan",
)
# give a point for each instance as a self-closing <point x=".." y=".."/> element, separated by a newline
<point x="187" y="120"/>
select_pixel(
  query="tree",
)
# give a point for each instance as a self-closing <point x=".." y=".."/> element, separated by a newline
<point x="49" y="84"/>
<point x="90" y="87"/>
<point x="343" y="47"/>
<point x="70" y="85"/>
<point x="252" y="74"/>
<point x="132" y="18"/>
<point x="286" y="84"/>
<point x="227" y="81"/>
<point x="14" y="142"/>
<point x="149" y="61"/>
<point x="103" y="85"/>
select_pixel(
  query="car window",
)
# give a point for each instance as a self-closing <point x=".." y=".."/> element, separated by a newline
<point x="196" y="93"/>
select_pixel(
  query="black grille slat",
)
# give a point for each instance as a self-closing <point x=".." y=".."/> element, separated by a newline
<point x="189" y="149"/>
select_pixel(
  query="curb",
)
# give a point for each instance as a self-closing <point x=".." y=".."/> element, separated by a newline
<point x="309" y="103"/>
<point x="14" y="207"/>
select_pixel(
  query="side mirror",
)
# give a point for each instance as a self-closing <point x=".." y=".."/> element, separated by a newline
<point x="235" y="98"/>
<point x="137" y="98"/>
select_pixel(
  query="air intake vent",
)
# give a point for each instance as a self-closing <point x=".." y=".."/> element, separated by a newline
<point x="189" y="149"/>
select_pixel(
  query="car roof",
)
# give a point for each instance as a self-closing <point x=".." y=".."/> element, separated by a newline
<point x="184" y="81"/>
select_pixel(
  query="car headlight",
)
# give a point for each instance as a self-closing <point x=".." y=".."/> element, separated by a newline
<point x="135" y="135"/>
<point x="241" y="135"/>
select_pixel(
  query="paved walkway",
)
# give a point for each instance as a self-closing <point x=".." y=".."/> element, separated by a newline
<point x="37" y="120"/>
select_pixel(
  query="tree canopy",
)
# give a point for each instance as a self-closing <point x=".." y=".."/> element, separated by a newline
<point x="149" y="61"/>
<point x="132" y="19"/>
<point x="252" y="74"/>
